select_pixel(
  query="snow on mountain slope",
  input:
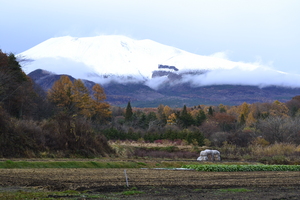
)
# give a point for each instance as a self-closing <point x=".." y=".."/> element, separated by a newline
<point x="104" y="55"/>
<point x="103" y="58"/>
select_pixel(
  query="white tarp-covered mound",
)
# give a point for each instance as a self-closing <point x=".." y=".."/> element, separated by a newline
<point x="207" y="153"/>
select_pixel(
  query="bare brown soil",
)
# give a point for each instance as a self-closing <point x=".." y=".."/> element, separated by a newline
<point x="160" y="184"/>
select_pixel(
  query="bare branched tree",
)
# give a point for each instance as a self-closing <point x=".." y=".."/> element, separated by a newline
<point x="280" y="129"/>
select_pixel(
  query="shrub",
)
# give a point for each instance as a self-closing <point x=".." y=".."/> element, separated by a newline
<point x="283" y="149"/>
<point x="278" y="153"/>
<point x="282" y="160"/>
<point x="260" y="141"/>
<point x="207" y="142"/>
<point x="218" y="138"/>
<point x="24" y="138"/>
<point x="63" y="135"/>
<point x="240" y="138"/>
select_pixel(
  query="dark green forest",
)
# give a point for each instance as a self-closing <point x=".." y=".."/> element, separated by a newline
<point x="69" y="120"/>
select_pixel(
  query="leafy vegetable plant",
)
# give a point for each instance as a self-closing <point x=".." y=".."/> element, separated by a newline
<point x="243" y="168"/>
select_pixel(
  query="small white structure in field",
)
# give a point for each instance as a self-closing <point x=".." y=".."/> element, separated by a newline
<point x="209" y="153"/>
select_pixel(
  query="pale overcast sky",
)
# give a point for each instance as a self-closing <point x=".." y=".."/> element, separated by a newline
<point x="244" y="30"/>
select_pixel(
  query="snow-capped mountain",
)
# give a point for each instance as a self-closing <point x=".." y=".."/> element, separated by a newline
<point x="119" y="58"/>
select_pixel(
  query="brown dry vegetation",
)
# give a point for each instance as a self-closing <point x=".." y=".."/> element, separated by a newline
<point x="259" y="151"/>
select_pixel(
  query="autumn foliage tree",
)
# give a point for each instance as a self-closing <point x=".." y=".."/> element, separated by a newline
<point x="82" y="99"/>
<point x="294" y="106"/>
<point x="101" y="109"/>
<point x="75" y="98"/>
<point x="79" y="112"/>
<point x="61" y="94"/>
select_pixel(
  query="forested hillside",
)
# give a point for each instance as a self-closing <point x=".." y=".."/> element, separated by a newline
<point x="34" y="123"/>
<point x="72" y="120"/>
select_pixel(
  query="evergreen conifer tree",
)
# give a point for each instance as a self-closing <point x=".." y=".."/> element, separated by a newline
<point x="186" y="118"/>
<point x="128" y="112"/>
<point x="200" y="117"/>
<point x="210" y="111"/>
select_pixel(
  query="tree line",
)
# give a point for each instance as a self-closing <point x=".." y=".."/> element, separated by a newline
<point x="242" y="125"/>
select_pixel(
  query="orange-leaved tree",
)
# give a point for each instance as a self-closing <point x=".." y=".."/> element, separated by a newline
<point x="61" y="94"/>
<point x="101" y="108"/>
<point x="82" y="99"/>
<point x="75" y="98"/>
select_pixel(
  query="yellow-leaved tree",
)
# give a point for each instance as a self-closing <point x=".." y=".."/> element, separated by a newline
<point x="82" y="99"/>
<point x="279" y="109"/>
<point x="172" y="119"/>
<point x="167" y="111"/>
<point x="61" y="94"/>
<point x="101" y="108"/>
<point x="75" y="98"/>
<point x="243" y="111"/>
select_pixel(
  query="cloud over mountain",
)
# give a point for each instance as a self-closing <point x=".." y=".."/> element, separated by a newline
<point x="118" y="58"/>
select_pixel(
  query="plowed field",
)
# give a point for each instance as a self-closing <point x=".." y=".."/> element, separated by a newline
<point x="160" y="184"/>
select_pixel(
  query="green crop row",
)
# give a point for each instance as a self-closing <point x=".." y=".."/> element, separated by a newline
<point x="242" y="168"/>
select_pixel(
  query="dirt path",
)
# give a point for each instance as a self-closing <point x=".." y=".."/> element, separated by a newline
<point x="159" y="183"/>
